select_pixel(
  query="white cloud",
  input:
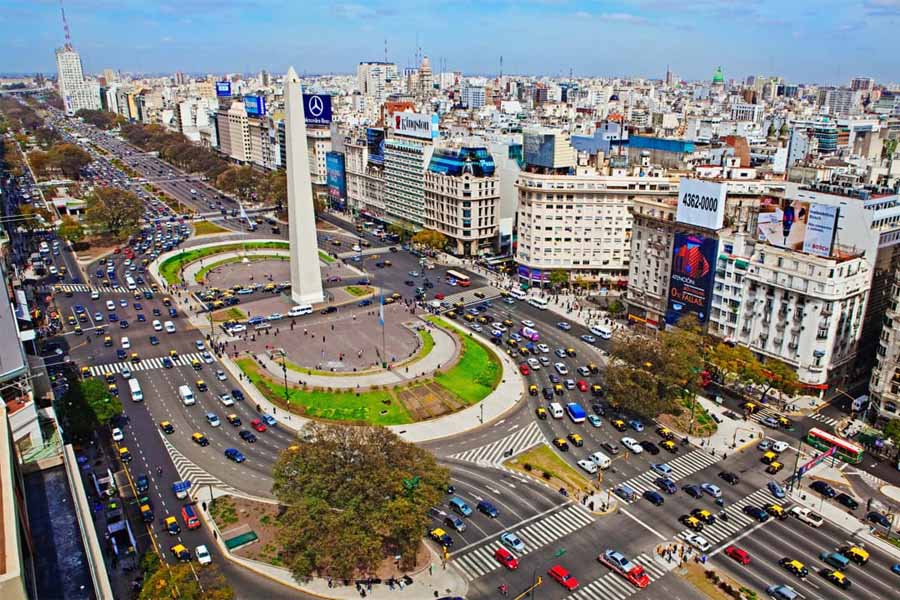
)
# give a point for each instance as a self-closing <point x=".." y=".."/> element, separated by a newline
<point x="621" y="17"/>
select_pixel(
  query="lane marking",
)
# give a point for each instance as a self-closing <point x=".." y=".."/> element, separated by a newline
<point x="642" y="524"/>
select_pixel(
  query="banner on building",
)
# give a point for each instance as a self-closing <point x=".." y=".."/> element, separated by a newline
<point x="255" y="106"/>
<point x="693" y="272"/>
<point x="798" y="225"/>
<point x="317" y="109"/>
<point x="416" y="125"/>
<point x="820" y="229"/>
<point x="701" y="203"/>
<point x="375" y="143"/>
<point x="533" y="274"/>
<point x="223" y="89"/>
<point x="336" y="179"/>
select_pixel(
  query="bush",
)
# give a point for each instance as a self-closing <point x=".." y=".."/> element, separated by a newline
<point x="527" y="466"/>
<point x="546" y="475"/>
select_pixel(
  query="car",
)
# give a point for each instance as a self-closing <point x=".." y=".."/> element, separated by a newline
<point x="756" y="512"/>
<point x="610" y="447"/>
<point x="269" y="420"/>
<point x="172" y="526"/>
<point x="454" y="522"/>
<point x="541" y="412"/>
<point x="126" y="343"/>
<point x="207" y="357"/>
<point x="632" y="444"/>
<point x="619" y="424"/>
<point x="619" y="563"/>
<point x="154" y="341"/>
<point x="895" y="569"/>
<point x="594" y="420"/>
<point x="220" y="375"/>
<point x="486" y="508"/>
<point x="233" y="419"/>
<point x="588" y="338"/>
<point x="120" y="354"/>
<point x="806" y="516"/>
<point x="563" y="577"/>
<point x="738" y="554"/>
<point x="213" y="419"/>
<point x="711" y="489"/>
<point x="202" y="554"/>
<point x="201" y="386"/>
<point x="770" y="422"/>
<point x="588" y="465"/>
<point x="780" y="446"/>
<point x="564" y="326"/>
<point x="649" y="447"/>
<point x="691" y="522"/>
<point x="505" y="558"/>
<point x="167" y="362"/>
<point x="258" y="425"/>
<point x="697" y="541"/>
<point x="704" y="515"/>
<point x="666" y="485"/>
<point x="200" y="439"/>
<point x="117" y="434"/>
<point x="654" y="497"/>
<point x="234" y="454"/>
<point x="560" y="352"/>
<point x="328" y="310"/>
<point x="124" y="455"/>
<point x="729" y="477"/>
<point x="166" y="427"/>
<point x="669" y="446"/>
<point x="112" y="317"/>
<point x="554" y="378"/>
<point x="511" y="541"/>
<point x="123" y="324"/>
<point x="764" y="445"/>
<point x="247" y="436"/>
<point x="110" y="305"/>
<point x="576" y="439"/>
<point x="847" y="500"/>
<point x="169" y="327"/>
<point x="524" y="370"/>
<point x="835" y="577"/>
<point x="776" y="490"/>
<point x="794" y="566"/>
<point x="561" y="368"/>
<point x="142" y="483"/>
<point x="823" y="488"/>
<point x="543" y="348"/>
<point x="237" y="395"/>
<point x="180" y="552"/>
<point x="98" y="317"/>
<point x="561" y="443"/>
<point x="878" y="519"/>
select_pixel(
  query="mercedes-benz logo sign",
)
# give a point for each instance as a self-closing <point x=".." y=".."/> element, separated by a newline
<point x="316" y="106"/>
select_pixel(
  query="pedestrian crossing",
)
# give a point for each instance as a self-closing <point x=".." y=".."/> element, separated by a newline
<point x="146" y="364"/>
<point x="737" y="520"/>
<point x="468" y="295"/>
<point x="613" y="586"/>
<point x="492" y="455"/>
<point x="824" y="419"/>
<point x="682" y="466"/>
<point x="103" y="289"/>
<point x="480" y="561"/>
<point x="188" y="471"/>
<point x="767" y="411"/>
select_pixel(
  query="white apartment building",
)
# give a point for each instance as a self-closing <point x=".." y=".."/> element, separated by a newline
<point x="318" y="142"/>
<point x="234" y="132"/>
<point x="653" y="230"/>
<point x="741" y="111"/>
<point x="884" y="386"/>
<point x="405" y="162"/>
<point x="840" y="101"/>
<point x="472" y="94"/>
<point x="376" y="79"/>
<point x="365" y="182"/>
<point x="76" y="93"/>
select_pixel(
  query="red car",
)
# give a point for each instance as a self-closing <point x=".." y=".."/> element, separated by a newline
<point x="439" y="296"/>
<point x="258" y="425"/>
<point x="738" y="554"/>
<point x="563" y="577"/>
<point x="582" y="385"/>
<point x="506" y="558"/>
<point x="523" y="369"/>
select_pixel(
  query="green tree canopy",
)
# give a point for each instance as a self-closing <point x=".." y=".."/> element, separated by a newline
<point x="430" y="239"/>
<point x="347" y="506"/>
<point x="559" y="277"/>
<point x="184" y="583"/>
<point x="69" y="159"/>
<point x="892" y="431"/>
<point x="240" y="181"/>
<point x="101" y="404"/>
<point x="70" y="229"/>
<point x="114" y="211"/>
<point x="100" y="119"/>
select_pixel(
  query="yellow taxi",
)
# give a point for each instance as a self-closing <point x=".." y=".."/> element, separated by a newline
<point x="665" y="433"/>
<point x="388" y="263"/>
<point x="836" y="577"/>
<point x="775" y="467"/>
<point x="196" y="364"/>
<point x="389" y="300"/>
<point x="167" y="427"/>
<point x="201" y="385"/>
<point x="396" y="295"/>
<point x="750" y="407"/>
<point x="85" y="372"/>
<point x="482" y="319"/>
<point x="110" y="378"/>
<point x="794" y="566"/>
<point x="135" y="357"/>
<point x="78" y="330"/>
<point x="785" y="423"/>
<point x="124" y="455"/>
<point x="856" y="554"/>
<point x="167" y="301"/>
<point x="571" y="352"/>
<point x="172" y="525"/>
<point x="691" y="522"/>
<point x="541" y="412"/>
<point x="776" y="510"/>
<point x="558" y="389"/>
<point x="619" y="424"/>
<point x="509" y="342"/>
<point x="561" y="443"/>
<point x="269" y="287"/>
<point x="471" y="318"/>
<point x="769" y="457"/>
<point x="450" y="314"/>
<point x="532" y="389"/>
<point x="594" y="369"/>
<point x="200" y="439"/>
<point x="440" y="536"/>
<point x="218" y="304"/>
<point x="704" y="515"/>
<point x="596" y="389"/>
<point x="173" y="353"/>
<point x="508" y="323"/>
<point x="458" y="305"/>
<point x="146" y="513"/>
<point x="71" y="320"/>
<point x="180" y="552"/>
<point x="669" y="445"/>
<point x="112" y="389"/>
<point x="576" y="439"/>
<point x="524" y="351"/>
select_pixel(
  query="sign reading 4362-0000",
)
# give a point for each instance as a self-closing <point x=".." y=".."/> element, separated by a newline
<point x="701" y="203"/>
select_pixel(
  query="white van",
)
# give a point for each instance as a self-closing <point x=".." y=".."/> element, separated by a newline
<point x="601" y="460"/>
<point x="602" y="331"/>
<point x="556" y="410"/>
<point x="129" y="281"/>
<point x="136" y="394"/>
<point x="518" y="294"/>
<point x="300" y="310"/>
<point x="187" y="396"/>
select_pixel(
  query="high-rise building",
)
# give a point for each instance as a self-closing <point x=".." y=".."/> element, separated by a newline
<point x="376" y="79"/>
<point x="75" y="92"/>
<point x="425" y="80"/>
<point x="840" y="101"/>
<point x="405" y="161"/>
<point x="472" y="93"/>
<point x="864" y="84"/>
<point x="234" y="132"/>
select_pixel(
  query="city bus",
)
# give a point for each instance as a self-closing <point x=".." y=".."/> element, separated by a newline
<point x="462" y="280"/>
<point x="538" y="302"/>
<point x="847" y="451"/>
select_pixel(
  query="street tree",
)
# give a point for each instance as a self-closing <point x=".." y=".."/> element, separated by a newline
<point x="102" y="405"/>
<point x="559" y="277"/>
<point x="892" y="431"/>
<point x="70" y="229"/>
<point x="430" y="239"/>
<point x="46" y="137"/>
<point x="114" y="211"/>
<point x="33" y="218"/>
<point x="69" y="159"/>
<point x="402" y="229"/>
<point x="273" y="188"/>
<point x="353" y="496"/>
<point x="240" y="181"/>
<point x="184" y="582"/>
<point x="39" y="161"/>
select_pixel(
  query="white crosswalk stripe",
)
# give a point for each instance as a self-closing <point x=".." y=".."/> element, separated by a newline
<point x="145" y="364"/>
<point x="493" y="454"/>
<point x="682" y="467"/>
<point x="480" y="561"/>
<point x="737" y="519"/>
<point x="188" y="471"/>
<point x="830" y="421"/>
<point x="468" y="295"/>
<point x="613" y="586"/>
<point x="103" y="289"/>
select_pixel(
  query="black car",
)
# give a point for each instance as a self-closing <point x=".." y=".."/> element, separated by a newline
<point x="847" y="500"/>
<point x="554" y="378"/>
<point x="757" y="513"/>
<point x="693" y="491"/>
<point x="247" y="436"/>
<point x="154" y="341"/>
<point x="409" y="282"/>
<point x="328" y="310"/>
<point x="654" y="497"/>
<point x="650" y="447"/>
<point x="730" y="477"/>
<point x="237" y="394"/>
<point x="878" y="518"/>
<point x="823" y="488"/>
<point x="598" y="409"/>
<point x="666" y="484"/>
<point x="547" y="393"/>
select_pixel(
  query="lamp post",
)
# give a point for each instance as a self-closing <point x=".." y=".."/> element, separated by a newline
<point x="559" y="552"/>
<point x="284" y="370"/>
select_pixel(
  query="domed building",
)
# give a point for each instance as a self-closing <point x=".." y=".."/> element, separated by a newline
<point x="718" y="77"/>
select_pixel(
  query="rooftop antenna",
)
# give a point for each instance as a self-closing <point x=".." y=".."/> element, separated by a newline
<point x="65" y="26"/>
<point x="385" y="50"/>
<point x="501" y="66"/>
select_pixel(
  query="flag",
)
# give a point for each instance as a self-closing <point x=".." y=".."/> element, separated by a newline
<point x="381" y="310"/>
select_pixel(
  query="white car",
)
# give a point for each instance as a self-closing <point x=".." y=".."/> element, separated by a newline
<point x="697" y="541"/>
<point x="807" y="516"/>
<point x="275" y="316"/>
<point x="110" y="305"/>
<point x="561" y="368"/>
<point x="157" y="325"/>
<point x="125" y="372"/>
<point x="126" y="343"/>
<point x="356" y="249"/>
<point x="544" y="348"/>
<point x="534" y="364"/>
<point x="528" y="323"/>
<point x="95" y="295"/>
<point x="498" y="326"/>
<point x="207" y="357"/>
<point x="632" y="444"/>
<point x="170" y="327"/>
<point x="588" y="465"/>
<point x="226" y="399"/>
<point x="780" y="447"/>
<point x="220" y="375"/>
<point x="202" y="555"/>
<point x="239" y="328"/>
<point x="117" y="434"/>
<point x="199" y="345"/>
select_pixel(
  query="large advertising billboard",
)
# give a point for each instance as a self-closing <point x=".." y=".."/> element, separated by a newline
<point x="797" y="225"/>
<point x="223" y="89"/>
<point x="255" y="106"/>
<point x="416" y="125"/>
<point x="540" y="149"/>
<point x="693" y="272"/>
<point x="375" y="143"/>
<point x="336" y="179"/>
<point x="317" y="109"/>
<point x="701" y="203"/>
<point x="533" y="274"/>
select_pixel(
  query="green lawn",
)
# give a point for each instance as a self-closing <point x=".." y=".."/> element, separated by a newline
<point x="367" y="407"/>
<point x="170" y="268"/>
<point x="200" y="275"/>
<point x="358" y="290"/>
<point x="207" y="228"/>
<point x="477" y="372"/>
<point x="325" y="257"/>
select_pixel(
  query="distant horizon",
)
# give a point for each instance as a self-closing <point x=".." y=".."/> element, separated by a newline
<point x="828" y="41"/>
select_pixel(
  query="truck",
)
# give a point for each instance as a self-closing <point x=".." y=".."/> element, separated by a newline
<point x="121" y="537"/>
<point x="104" y="483"/>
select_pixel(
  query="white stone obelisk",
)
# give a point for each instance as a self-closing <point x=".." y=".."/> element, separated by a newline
<point x="306" y="277"/>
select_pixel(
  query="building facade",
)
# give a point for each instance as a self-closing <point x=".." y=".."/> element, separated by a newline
<point x="405" y="162"/>
<point x="76" y="93"/>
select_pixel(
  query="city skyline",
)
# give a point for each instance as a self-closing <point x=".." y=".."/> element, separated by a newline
<point x="839" y="40"/>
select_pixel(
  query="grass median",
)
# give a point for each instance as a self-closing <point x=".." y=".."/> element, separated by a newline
<point x="207" y="228"/>
<point x="170" y="268"/>
<point x="543" y="463"/>
<point x="477" y="372"/>
<point x="359" y="290"/>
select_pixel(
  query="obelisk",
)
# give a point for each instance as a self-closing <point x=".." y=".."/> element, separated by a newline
<point x="306" y="277"/>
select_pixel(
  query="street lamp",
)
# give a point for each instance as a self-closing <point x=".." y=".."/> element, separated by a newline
<point x="284" y="370"/>
<point x="559" y="552"/>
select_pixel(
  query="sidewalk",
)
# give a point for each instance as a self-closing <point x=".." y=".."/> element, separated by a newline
<point x="731" y="435"/>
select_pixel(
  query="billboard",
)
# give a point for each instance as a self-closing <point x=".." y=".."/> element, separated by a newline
<point x="416" y="125"/>
<point x="701" y="203"/>
<point x="336" y="179"/>
<point x="797" y="225"/>
<point x="255" y="106"/>
<point x="540" y="149"/>
<point x="375" y="143"/>
<point x="223" y="89"/>
<point x="533" y="274"/>
<point x="317" y="109"/>
<point x="693" y="272"/>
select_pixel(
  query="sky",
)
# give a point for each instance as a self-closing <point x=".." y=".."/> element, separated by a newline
<point x="804" y="41"/>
